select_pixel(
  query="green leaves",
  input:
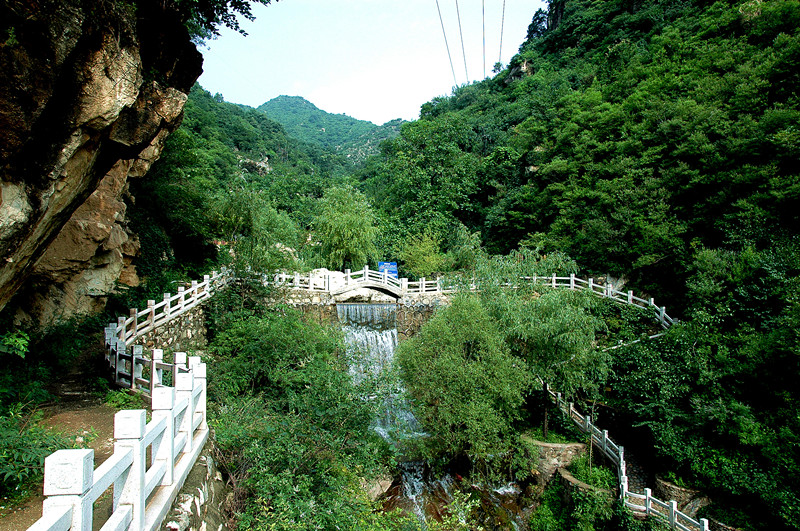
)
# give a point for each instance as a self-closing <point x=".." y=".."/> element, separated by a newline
<point x="466" y="386"/>
<point x="345" y="228"/>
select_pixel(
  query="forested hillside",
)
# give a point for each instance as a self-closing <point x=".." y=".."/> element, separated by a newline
<point x="232" y="175"/>
<point x="651" y="143"/>
<point x="656" y="141"/>
<point x="355" y="139"/>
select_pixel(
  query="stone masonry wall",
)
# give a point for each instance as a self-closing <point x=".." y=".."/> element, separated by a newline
<point x="184" y="333"/>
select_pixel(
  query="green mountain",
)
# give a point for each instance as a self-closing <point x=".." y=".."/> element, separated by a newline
<point x="355" y="139"/>
<point x="656" y="141"/>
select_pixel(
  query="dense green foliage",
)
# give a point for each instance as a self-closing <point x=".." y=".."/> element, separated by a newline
<point x="352" y="138"/>
<point x="292" y="428"/>
<point x="655" y="141"/>
<point x="466" y="385"/>
<point x="345" y="227"/>
<point x="228" y="176"/>
<point x="23" y="447"/>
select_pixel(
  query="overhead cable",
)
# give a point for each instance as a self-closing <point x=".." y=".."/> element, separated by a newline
<point x="483" y="20"/>
<point x="461" y="33"/>
<point x="455" y="83"/>
<point x="502" y="25"/>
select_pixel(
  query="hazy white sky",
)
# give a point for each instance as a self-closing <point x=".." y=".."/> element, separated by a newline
<point x="374" y="60"/>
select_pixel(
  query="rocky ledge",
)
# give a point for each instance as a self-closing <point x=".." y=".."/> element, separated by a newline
<point x="89" y="90"/>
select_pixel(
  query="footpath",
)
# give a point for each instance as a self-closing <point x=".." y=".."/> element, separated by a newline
<point x="77" y="412"/>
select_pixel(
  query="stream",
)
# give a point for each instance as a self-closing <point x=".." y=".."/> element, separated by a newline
<point x="371" y="337"/>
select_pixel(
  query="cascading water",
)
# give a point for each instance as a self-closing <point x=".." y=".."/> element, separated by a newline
<point x="371" y="337"/>
<point x="370" y="331"/>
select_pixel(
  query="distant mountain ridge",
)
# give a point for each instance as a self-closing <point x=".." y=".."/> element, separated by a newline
<point x="355" y="139"/>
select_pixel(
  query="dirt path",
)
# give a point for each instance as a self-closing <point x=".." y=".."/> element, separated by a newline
<point x="88" y="419"/>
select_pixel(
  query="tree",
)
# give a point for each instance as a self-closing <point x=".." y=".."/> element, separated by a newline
<point x="466" y="386"/>
<point x="345" y="227"/>
<point x="259" y="237"/>
<point x="553" y="330"/>
<point x="421" y="254"/>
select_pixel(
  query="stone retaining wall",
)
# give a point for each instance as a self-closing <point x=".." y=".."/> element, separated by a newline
<point x="186" y="332"/>
<point x="411" y="317"/>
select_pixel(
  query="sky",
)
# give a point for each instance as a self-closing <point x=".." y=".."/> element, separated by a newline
<point x="374" y="60"/>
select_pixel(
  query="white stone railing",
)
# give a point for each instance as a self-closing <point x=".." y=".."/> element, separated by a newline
<point x="150" y="460"/>
<point x="335" y="282"/>
<point x="642" y="504"/>
<point x="147" y="469"/>
<point x="131" y="367"/>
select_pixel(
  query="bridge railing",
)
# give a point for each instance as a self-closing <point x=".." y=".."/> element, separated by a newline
<point x="323" y="283"/>
<point x="642" y="504"/>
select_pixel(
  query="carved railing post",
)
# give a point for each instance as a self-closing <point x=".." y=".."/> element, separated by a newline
<point x="67" y="481"/>
<point x="163" y="400"/>
<point x="129" y="430"/>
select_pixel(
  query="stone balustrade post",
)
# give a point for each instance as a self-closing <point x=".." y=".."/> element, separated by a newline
<point x="673" y="513"/>
<point x="179" y="360"/>
<point x="163" y="400"/>
<point x="151" y="316"/>
<point x="181" y="295"/>
<point x="118" y="352"/>
<point x="67" y="481"/>
<point x="591" y="285"/>
<point x="121" y="329"/>
<point x="572" y="281"/>
<point x="135" y="324"/>
<point x="184" y="384"/>
<point x="137" y="367"/>
<point x="156" y="373"/>
<point x="167" y="308"/>
<point x="198" y="368"/>
<point x="129" y="430"/>
<point x="648" y="494"/>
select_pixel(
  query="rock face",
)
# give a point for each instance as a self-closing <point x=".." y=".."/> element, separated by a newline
<point x="89" y="91"/>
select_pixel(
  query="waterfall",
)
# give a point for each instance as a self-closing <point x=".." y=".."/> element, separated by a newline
<point x="370" y="332"/>
<point x="371" y="337"/>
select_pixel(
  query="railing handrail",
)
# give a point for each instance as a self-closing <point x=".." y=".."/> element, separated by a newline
<point x="175" y="436"/>
<point x="403" y="286"/>
<point x="667" y="512"/>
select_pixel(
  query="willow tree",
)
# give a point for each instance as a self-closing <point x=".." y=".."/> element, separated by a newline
<point x="552" y="329"/>
<point x="345" y="228"/>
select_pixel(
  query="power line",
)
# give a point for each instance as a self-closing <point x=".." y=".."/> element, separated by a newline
<point x="455" y="83"/>
<point x="502" y="25"/>
<point x="461" y="33"/>
<point x="483" y="20"/>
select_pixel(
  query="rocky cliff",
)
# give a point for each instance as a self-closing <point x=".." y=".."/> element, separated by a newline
<point x="89" y="90"/>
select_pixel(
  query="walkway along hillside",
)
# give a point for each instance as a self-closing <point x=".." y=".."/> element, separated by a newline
<point x="151" y="459"/>
<point x="144" y="489"/>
